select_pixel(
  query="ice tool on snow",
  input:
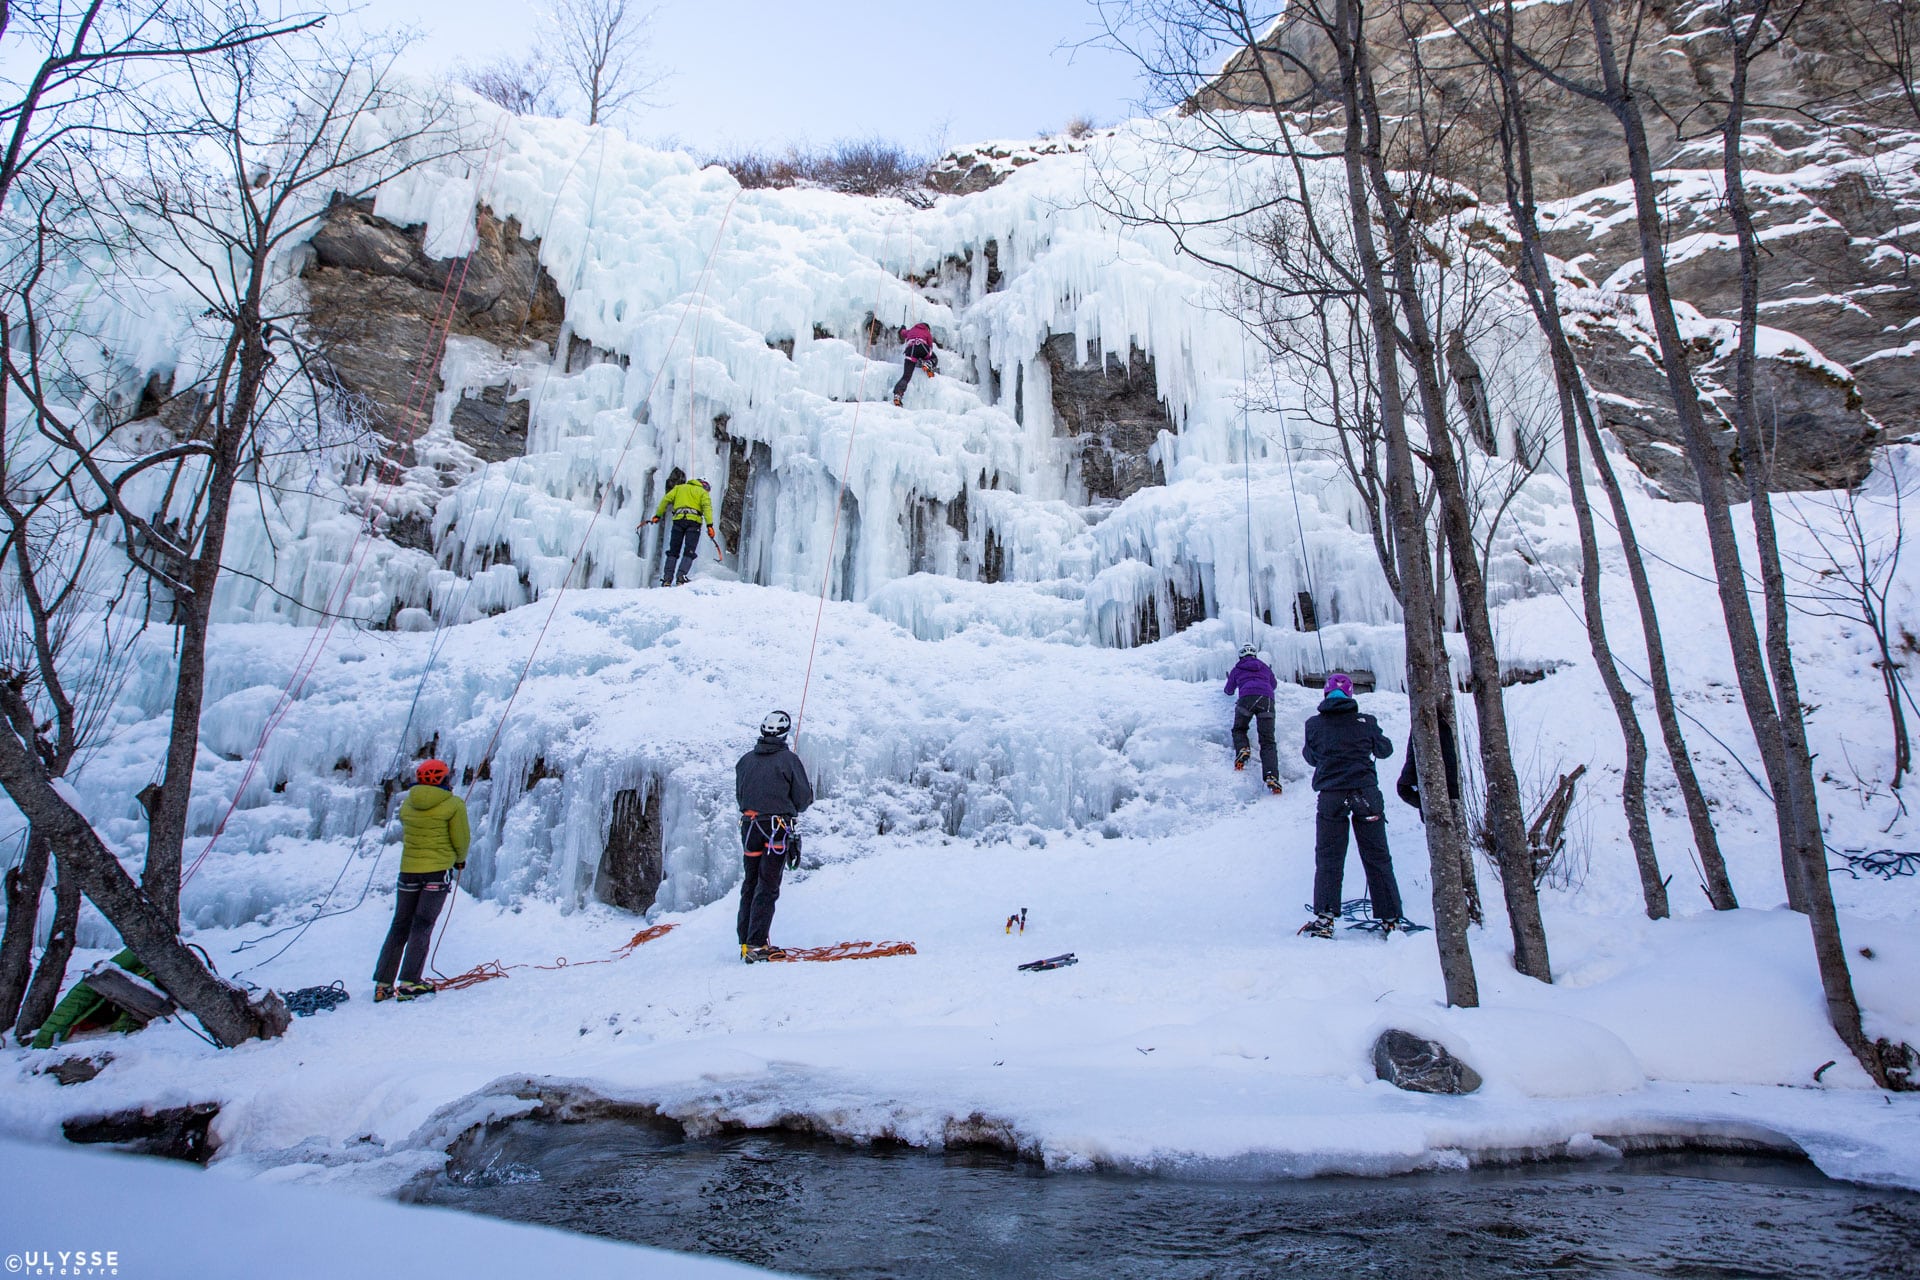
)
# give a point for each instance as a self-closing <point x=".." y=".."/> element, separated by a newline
<point x="1051" y="962"/>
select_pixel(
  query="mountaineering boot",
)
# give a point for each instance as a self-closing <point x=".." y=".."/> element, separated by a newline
<point x="1321" y="926"/>
<point x="760" y="955"/>
<point x="1241" y="757"/>
<point x="1273" y="784"/>
<point x="382" y="991"/>
<point x="412" y="990"/>
<point x="896" y="402"/>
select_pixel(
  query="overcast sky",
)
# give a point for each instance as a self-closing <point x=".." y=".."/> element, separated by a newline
<point x="766" y="72"/>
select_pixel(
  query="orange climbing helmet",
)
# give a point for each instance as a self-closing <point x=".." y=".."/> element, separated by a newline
<point x="432" y="772"/>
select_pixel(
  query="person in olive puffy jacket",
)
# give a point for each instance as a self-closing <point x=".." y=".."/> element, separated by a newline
<point x="434" y="851"/>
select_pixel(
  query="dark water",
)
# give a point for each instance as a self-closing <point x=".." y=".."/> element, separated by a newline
<point x="817" y="1209"/>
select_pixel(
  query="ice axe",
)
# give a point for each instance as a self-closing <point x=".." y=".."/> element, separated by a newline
<point x="719" y="550"/>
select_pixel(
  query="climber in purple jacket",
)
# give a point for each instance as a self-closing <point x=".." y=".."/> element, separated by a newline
<point x="1254" y="682"/>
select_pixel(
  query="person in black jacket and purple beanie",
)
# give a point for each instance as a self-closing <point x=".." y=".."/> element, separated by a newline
<point x="1342" y="743"/>
<point x="1254" y="682"/>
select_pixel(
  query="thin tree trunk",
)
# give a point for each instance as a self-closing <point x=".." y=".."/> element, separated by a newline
<point x="1800" y="807"/>
<point x="1633" y="784"/>
<point x="1506" y="821"/>
<point x="24" y="886"/>
<point x="167" y="831"/>
<point x="1542" y="297"/>
<point x="44" y="991"/>
<point x="1706" y="841"/>
<point x="1426" y="651"/>
<point x="1708" y="467"/>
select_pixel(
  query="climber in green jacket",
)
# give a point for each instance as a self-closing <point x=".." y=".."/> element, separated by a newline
<point x="434" y="823"/>
<point x="691" y="502"/>
<point x="84" y="1009"/>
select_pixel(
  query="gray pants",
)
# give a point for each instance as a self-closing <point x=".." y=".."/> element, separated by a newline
<point x="1257" y="709"/>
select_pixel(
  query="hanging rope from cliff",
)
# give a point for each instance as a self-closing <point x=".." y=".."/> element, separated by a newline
<point x="573" y="565"/>
<point x="846" y="466"/>
<point x="441" y="635"/>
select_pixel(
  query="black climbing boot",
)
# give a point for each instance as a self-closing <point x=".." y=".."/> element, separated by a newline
<point x="1321" y="926"/>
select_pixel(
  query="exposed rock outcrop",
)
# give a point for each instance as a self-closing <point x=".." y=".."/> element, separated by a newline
<point x="177" y="1133"/>
<point x="1113" y="413"/>
<point x="1833" y="203"/>
<point x="1419" y="1065"/>
<point x="377" y="302"/>
<point x="632" y="864"/>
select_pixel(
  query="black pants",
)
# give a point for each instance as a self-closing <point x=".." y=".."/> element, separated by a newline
<point x="682" y="546"/>
<point x="767" y="840"/>
<point x="415" y="907"/>
<point x="1367" y="811"/>
<point x="1257" y="709"/>
<point x="906" y="378"/>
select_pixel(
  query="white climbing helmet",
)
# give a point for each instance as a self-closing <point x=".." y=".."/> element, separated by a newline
<point x="1249" y="649"/>
<point x="777" y="724"/>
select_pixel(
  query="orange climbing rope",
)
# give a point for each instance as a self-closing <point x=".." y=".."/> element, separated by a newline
<point x="848" y="951"/>
<point x="495" y="969"/>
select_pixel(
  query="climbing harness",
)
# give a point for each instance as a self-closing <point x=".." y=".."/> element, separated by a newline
<point x="308" y="1001"/>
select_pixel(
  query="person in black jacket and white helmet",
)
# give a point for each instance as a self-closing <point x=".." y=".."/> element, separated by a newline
<point x="1342" y="742"/>
<point x="772" y="788"/>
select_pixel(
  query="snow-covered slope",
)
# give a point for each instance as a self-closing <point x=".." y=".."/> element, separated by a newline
<point x="991" y="721"/>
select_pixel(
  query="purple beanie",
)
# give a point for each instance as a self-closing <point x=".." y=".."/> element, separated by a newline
<point x="1339" y="682"/>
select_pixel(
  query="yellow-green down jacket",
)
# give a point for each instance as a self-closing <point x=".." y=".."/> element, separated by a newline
<point x="435" y="821"/>
<point x="687" y="501"/>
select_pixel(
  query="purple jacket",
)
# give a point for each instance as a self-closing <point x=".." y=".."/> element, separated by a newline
<point x="1251" y="678"/>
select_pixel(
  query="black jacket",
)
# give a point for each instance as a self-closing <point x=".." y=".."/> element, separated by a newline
<point x="1341" y="744"/>
<point x="771" y="780"/>
<point x="1409" y="785"/>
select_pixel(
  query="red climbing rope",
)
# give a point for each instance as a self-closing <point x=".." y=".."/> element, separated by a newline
<point x="495" y="969"/>
<point x="414" y="412"/>
<point x="848" y="951"/>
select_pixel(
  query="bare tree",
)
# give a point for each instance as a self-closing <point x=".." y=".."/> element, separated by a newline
<point x="601" y="46"/>
<point x="256" y="137"/>
<point x="1850" y="575"/>
<point x="523" y="86"/>
<point x="86" y="91"/>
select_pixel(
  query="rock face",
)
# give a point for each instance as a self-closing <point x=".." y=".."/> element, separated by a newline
<point x="178" y="1133"/>
<point x="631" y="866"/>
<point x="1419" y="1065"/>
<point x="1835" y="207"/>
<point x="1112" y="411"/>
<point x="377" y="304"/>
